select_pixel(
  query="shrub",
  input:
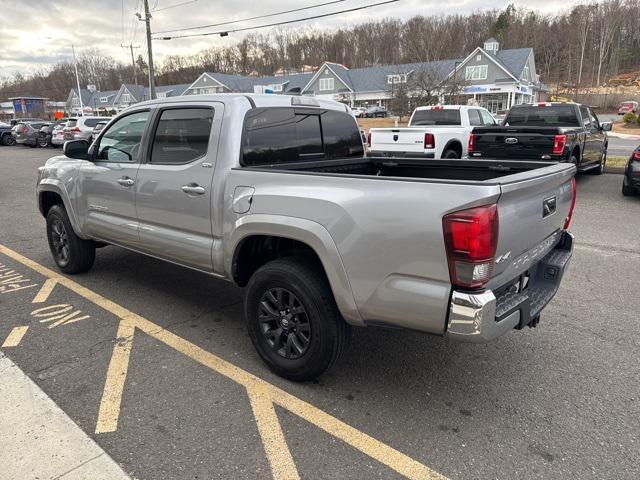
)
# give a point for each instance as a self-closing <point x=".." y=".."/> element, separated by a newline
<point x="629" y="118"/>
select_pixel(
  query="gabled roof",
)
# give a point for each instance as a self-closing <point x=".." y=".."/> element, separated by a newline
<point x="370" y="79"/>
<point x="337" y="69"/>
<point x="514" y="59"/>
<point x="491" y="40"/>
<point x="172" y="90"/>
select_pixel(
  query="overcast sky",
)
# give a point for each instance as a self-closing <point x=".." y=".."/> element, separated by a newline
<point x="34" y="37"/>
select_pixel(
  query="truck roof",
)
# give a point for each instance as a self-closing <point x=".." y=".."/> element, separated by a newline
<point x="259" y="100"/>
<point x="444" y="107"/>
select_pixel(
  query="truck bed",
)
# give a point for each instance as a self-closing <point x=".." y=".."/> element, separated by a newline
<point x="458" y="170"/>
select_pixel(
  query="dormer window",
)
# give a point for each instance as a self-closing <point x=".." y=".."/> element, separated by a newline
<point x="491" y="46"/>
<point x="104" y="99"/>
<point x="126" y="98"/>
<point x="397" y="78"/>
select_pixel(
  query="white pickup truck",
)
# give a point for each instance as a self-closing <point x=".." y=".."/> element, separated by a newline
<point x="440" y="131"/>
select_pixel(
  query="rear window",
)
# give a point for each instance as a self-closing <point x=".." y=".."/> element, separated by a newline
<point x="544" y="116"/>
<point x="91" y="122"/>
<point x="283" y="135"/>
<point x="436" y="117"/>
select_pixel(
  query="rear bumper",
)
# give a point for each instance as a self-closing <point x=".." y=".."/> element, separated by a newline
<point x="484" y="316"/>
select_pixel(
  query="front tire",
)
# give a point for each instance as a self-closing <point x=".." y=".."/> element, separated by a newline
<point x="8" y="140"/>
<point x="599" y="170"/>
<point x="293" y="320"/>
<point x="71" y="253"/>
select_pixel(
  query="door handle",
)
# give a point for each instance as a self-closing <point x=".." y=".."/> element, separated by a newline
<point x="126" y="181"/>
<point x="193" y="189"/>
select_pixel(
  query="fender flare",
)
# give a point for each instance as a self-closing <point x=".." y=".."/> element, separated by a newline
<point x="55" y="186"/>
<point x="452" y="141"/>
<point x="311" y="233"/>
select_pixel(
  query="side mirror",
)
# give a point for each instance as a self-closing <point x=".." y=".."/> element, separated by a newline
<point x="78" y="149"/>
<point x="606" y="126"/>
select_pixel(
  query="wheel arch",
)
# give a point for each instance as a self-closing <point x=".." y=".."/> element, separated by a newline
<point x="50" y="194"/>
<point x="455" y="145"/>
<point x="258" y="239"/>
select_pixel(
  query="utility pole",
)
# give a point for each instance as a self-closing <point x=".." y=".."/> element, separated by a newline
<point x="147" y="22"/>
<point x="75" y="65"/>
<point x="133" y="61"/>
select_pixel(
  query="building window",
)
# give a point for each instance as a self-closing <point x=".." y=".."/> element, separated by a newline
<point x="478" y="58"/>
<point x="276" y="88"/>
<point x="75" y="102"/>
<point x="162" y="95"/>
<point x="398" y="78"/>
<point x="326" y="84"/>
<point x="476" y="72"/>
<point x="126" y="98"/>
<point x="104" y="99"/>
<point x="525" y="73"/>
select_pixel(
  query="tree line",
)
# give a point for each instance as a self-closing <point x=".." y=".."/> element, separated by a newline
<point x="584" y="45"/>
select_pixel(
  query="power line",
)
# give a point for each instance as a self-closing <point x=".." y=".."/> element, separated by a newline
<point x="224" y="33"/>
<point x="251" y="18"/>
<point x="172" y="6"/>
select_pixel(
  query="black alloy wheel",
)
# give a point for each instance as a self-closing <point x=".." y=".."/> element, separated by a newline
<point x="284" y="323"/>
<point x="59" y="242"/>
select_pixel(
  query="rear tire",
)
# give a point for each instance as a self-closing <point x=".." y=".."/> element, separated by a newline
<point x="450" y="154"/>
<point x="71" y="253"/>
<point x="628" y="190"/>
<point x="42" y="142"/>
<point x="293" y="320"/>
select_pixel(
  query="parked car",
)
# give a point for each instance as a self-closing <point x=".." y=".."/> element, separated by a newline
<point x="26" y="133"/>
<point x="375" y="112"/>
<point x="6" y="138"/>
<point x="57" y="135"/>
<point x="16" y="121"/>
<point x="558" y="132"/>
<point x="80" y="128"/>
<point x="628" y="106"/>
<point x="631" y="179"/>
<point x="440" y="131"/>
<point x="321" y="236"/>
<point x="45" y="136"/>
<point x="97" y="129"/>
<point x="359" y="111"/>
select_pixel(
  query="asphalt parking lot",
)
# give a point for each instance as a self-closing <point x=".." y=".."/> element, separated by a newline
<point x="558" y="401"/>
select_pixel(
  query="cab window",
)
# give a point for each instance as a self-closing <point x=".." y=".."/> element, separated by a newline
<point x="121" y="142"/>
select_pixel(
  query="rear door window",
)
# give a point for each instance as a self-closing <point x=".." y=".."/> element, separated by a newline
<point x="284" y="135"/>
<point x="182" y="135"/>
<point x="474" y="118"/>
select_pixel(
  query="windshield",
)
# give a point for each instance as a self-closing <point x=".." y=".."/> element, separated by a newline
<point x="436" y="117"/>
<point x="543" y="116"/>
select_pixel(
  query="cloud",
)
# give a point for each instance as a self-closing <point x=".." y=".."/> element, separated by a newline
<point x="46" y="37"/>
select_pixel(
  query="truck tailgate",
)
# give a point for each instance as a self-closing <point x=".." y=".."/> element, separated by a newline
<point x="520" y="142"/>
<point x="397" y="139"/>
<point x="532" y="210"/>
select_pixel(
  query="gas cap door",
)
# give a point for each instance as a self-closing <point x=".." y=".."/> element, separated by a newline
<point x="242" y="198"/>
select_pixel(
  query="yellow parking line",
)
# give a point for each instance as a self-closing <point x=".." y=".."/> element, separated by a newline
<point x="15" y="337"/>
<point x="114" y="384"/>
<point x="383" y="453"/>
<point x="45" y="291"/>
<point x="280" y="459"/>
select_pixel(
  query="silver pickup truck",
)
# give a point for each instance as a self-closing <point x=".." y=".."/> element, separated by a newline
<point x="274" y="193"/>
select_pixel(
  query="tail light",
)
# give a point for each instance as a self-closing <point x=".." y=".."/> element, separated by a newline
<point x="24" y="129"/>
<point x="559" y="142"/>
<point x="472" y="142"/>
<point x="635" y="156"/>
<point x="369" y="139"/>
<point x="471" y="239"/>
<point x="429" y="141"/>
<point x="567" y="221"/>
